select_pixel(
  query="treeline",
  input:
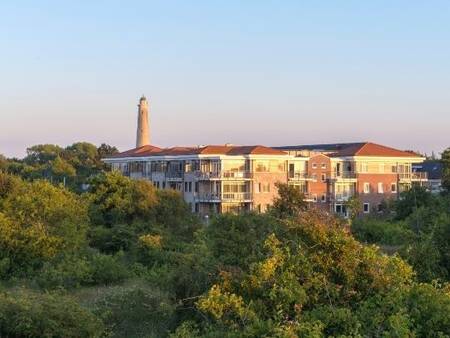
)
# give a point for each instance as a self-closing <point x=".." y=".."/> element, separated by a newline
<point x="71" y="166"/>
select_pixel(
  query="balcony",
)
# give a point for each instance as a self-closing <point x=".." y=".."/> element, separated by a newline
<point x="174" y="175"/>
<point x="341" y="175"/>
<point x="299" y="176"/>
<point x="224" y="197"/>
<point x="413" y="176"/>
<point x="236" y="196"/>
<point x="341" y="197"/>
<point x="224" y="175"/>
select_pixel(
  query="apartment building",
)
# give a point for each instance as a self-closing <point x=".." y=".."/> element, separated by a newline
<point x="215" y="179"/>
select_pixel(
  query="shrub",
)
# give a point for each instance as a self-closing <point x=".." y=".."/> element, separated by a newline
<point x="27" y="314"/>
<point x="107" y="269"/>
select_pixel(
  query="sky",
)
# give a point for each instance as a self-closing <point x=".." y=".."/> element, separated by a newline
<point x="242" y="72"/>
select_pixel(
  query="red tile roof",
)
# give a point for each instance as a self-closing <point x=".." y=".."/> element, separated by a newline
<point x="138" y="152"/>
<point x="206" y="150"/>
<point x="373" y="149"/>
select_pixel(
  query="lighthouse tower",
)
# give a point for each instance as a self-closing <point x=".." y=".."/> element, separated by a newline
<point x="143" y="134"/>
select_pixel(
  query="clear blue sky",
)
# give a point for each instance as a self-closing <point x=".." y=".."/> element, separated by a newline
<point x="244" y="72"/>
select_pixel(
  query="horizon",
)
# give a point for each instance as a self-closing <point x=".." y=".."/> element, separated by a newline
<point x="253" y="73"/>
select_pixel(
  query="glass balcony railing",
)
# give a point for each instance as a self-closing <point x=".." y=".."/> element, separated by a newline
<point x="224" y="197"/>
<point x="223" y="175"/>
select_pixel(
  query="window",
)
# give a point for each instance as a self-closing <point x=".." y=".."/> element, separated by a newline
<point x="380" y="207"/>
<point x="314" y="177"/>
<point x="338" y="208"/>
<point x="265" y="187"/>
<point x="314" y="165"/>
<point x="314" y="197"/>
<point x="185" y="186"/>
<point x="366" y="208"/>
<point x="257" y="187"/>
<point x="324" y="166"/>
<point x="380" y="188"/>
<point x="164" y="185"/>
<point x="364" y="167"/>
<point x="324" y="198"/>
<point x="324" y="177"/>
<point x="366" y="188"/>
<point x="196" y="187"/>
<point x="393" y="188"/>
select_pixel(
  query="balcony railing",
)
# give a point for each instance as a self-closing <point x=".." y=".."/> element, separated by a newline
<point x="298" y="175"/>
<point x="341" y="197"/>
<point x="174" y="175"/>
<point x="341" y="175"/>
<point x="236" y="196"/>
<point x="225" y="197"/>
<point x="223" y="175"/>
<point x="413" y="176"/>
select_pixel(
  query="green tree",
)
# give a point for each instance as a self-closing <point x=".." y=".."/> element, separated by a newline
<point x="106" y="150"/>
<point x="42" y="153"/>
<point x="445" y="159"/>
<point x="117" y="199"/>
<point x="290" y="201"/>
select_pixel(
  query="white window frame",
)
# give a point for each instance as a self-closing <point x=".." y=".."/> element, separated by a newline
<point x="368" y="207"/>
<point x="380" y="188"/>
<point x="394" y="184"/>
<point x="314" y="166"/>
<point x="366" y="188"/>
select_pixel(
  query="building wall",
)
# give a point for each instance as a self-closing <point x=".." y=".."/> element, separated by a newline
<point x="319" y="167"/>
<point x="374" y="197"/>
<point x="261" y="198"/>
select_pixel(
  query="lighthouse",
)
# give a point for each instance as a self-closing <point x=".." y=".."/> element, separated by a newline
<point x="143" y="134"/>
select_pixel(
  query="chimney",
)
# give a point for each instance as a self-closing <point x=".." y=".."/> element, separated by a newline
<point x="143" y="134"/>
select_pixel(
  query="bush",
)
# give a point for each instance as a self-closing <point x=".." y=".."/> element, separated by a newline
<point x="136" y="311"/>
<point x="108" y="269"/>
<point x="378" y="231"/>
<point x="68" y="272"/>
<point x="28" y="314"/>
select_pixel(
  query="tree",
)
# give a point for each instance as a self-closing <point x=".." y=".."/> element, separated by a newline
<point x="3" y="163"/>
<point x="42" y="153"/>
<point x="38" y="221"/>
<point x="106" y="150"/>
<point x="413" y="199"/>
<point x="290" y="201"/>
<point x="312" y="278"/>
<point x="354" y="206"/>
<point x="114" y="199"/>
<point x="445" y="159"/>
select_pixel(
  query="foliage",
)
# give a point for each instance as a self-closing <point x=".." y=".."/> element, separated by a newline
<point x="375" y="230"/>
<point x="114" y="198"/>
<point x="136" y="310"/>
<point x="445" y="159"/>
<point x="37" y="222"/>
<point x="290" y="201"/>
<point x="72" y="165"/>
<point x="28" y="314"/>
